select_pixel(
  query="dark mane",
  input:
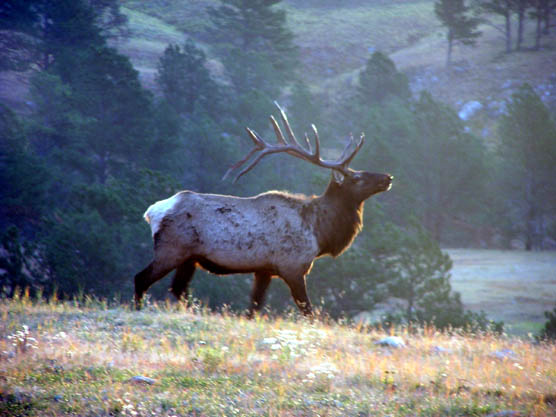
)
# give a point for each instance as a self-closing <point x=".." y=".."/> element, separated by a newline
<point x="336" y="220"/>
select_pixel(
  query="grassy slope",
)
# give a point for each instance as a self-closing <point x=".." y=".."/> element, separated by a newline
<point x="205" y="365"/>
<point x="513" y="286"/>
<point x="484" y="72"/>
<point x="148" y="38"/>
<point x="335" y="41"/>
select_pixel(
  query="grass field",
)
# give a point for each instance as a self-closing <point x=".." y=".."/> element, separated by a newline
<point x="80" y="359"/>
<point x="513" y="286"/>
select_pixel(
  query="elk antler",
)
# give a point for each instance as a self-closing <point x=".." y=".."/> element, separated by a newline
<point x="293" y="147"/>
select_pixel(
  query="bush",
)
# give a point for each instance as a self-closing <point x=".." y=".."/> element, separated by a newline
<point x="549" y="330"/>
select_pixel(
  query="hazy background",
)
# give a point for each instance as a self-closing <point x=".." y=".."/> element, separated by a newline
<point x="107" y="106"/>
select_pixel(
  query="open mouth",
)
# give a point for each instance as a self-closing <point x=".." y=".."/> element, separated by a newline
<point x="386" y="184"/>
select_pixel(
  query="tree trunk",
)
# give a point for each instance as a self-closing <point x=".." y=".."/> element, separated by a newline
<point x="520" y="22"/>
<point x="103" y="168"/>
<point x="546" y="15"/>
<point x="437" y="225"/>
<point x="450" y="46"/>
<point x="409" y="312"/>
<point x="538" y="32"/>
<point x="508" y="18"/>
<point x="531" y="226"/>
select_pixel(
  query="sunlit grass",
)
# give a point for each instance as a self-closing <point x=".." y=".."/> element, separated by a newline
<point x="204" y="364"/>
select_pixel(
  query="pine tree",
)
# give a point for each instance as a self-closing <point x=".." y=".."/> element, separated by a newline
<point x="35" y="30"/>
<point x="93" y="114"/>
<point x="541" y="12"/>
<point x="448" y="165"/>
<point x="421" y="273"/>
<point x="503" y="8"/>
<point x="548" y="332"/>
<point x="185" y="81"/>
<point x="462" y="28"/>
<point x="97" y="129"/>
<point x="23" y="177"/>
<point x="256" y="26"/>
<point x="521" y="7"/>
<point x="258" y="52"/>
<point x="528" y="147"/>
<point x="380" y="79"/>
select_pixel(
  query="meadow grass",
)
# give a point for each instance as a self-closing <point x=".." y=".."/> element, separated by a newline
<point x="340" y="39"/>
<point x="514" y="286"/>
<point x="80" y="359"/>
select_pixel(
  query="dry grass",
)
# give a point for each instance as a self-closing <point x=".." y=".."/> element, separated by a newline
<point x="83" y="357"/>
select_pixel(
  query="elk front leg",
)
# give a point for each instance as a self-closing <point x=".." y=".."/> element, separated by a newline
<point x="298" y="290"/>
<point x="260" y="285"/>
<point x="182" y="278"/>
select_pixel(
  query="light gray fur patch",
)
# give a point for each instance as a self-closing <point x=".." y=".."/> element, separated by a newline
<point x="156" y="212"/>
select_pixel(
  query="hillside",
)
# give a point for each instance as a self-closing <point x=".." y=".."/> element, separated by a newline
<point x="336" y="40"/>
<point x="88" y="359"/>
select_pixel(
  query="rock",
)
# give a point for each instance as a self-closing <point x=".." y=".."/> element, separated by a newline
<point x="364" y="318"/>
<point x="440" y="349"/>
<point x="271" y="343"/>
<point x="469" y="109"/>
<point x="504" y="354"/>
<point x="7" y="355"/>
<point x="507" y="84"/>
<point x="505" y="413"/>
<point x="391" y="341"/>
<point x="139" y="379"/>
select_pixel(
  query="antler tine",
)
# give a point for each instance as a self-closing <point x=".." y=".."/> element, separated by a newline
<point x="345" y="162"/>
<point x="317" y="141"/>
<point x="278" y="131"/>
<point x="293" y="147"/>
<point x="259" y="144"/>
<point x="286" y="123"/>
<point x="257" y="140"/>
<point x="308" y="142"/>
<point x="346" y="148"/>
<point x="253" y="162"/>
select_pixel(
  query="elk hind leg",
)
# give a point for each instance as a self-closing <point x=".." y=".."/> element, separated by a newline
<point x="260" y="285"/>
<point x="182" y="278"/>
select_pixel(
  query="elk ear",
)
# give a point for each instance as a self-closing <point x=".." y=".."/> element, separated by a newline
<point x="338" y="177"/>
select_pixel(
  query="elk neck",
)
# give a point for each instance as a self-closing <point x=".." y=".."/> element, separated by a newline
<point x="336" y="218"/>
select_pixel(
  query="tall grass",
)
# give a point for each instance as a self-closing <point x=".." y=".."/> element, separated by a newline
<point x="86" y="354"/>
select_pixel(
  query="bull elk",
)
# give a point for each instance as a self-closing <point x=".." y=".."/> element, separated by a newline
<point x="273" y="234"/>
